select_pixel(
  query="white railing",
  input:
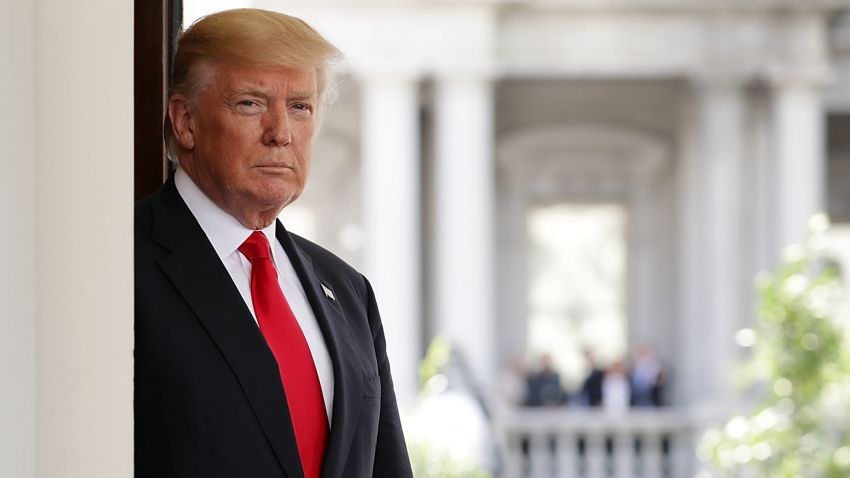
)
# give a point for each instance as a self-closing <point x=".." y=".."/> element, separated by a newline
<point x="574" y="443"/>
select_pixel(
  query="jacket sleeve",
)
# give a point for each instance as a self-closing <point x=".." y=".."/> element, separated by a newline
<point x="391" y="458"/>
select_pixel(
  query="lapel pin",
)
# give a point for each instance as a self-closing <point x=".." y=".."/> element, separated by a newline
<point x="328" y="293"/>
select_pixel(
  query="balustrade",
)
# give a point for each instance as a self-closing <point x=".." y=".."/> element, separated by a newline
<point x="570" y="443"/>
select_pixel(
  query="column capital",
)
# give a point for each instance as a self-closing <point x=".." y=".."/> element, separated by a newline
<point x="802" y="51"/>
<point x="387" y="74"/>
<point x="720" y="78"/>
<point x="471" y="73"/>
<point x="815" y="75"/>
<point x="466" y="84"/>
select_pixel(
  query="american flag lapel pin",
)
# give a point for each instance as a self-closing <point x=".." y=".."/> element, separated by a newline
<point x="328" y="293"/>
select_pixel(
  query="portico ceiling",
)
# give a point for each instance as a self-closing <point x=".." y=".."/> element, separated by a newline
<point x="742" y="39"/>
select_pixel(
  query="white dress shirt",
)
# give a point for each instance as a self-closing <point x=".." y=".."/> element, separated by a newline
<point x="226" y="235"/>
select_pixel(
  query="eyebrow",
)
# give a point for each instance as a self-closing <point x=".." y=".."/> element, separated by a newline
<point x="302" y="96"/>
<point x="253" y="91"/>
<point x="249" y="90"/>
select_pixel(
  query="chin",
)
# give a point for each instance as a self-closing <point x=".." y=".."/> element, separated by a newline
<point x="278" y="202"/>
<point x="273" y="192"/>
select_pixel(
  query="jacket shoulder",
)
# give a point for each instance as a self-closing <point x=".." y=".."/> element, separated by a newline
<point x="330" y="265"/>
<point x="324" y="258"/>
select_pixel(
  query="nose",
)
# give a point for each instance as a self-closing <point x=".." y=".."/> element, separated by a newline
<point x="276" y="131"/>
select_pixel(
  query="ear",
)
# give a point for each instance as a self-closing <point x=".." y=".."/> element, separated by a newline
<point x="182" y="121"/>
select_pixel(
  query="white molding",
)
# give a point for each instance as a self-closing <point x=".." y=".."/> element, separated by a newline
<point x="577" y="39"/>
<point x="554" y="144"/>
<point x="608" y="5"/>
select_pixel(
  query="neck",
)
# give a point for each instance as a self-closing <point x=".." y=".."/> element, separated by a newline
<point x="255" y="219"/>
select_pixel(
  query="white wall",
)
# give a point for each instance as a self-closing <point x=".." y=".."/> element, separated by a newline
<point x="84" y="190"/>
<point x="66" y="310"/>
<point x="17" y="231"/>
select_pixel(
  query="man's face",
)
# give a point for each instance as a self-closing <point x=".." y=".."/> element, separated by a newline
<point x="250" y="139"/>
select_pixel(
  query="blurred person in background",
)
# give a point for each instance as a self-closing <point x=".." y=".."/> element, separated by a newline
<point x="616" y="390"/>
<point x="647" y="379"/>
<point x="513" y="385"/>
<point x="544" y="385"/>
<point x="591" y="389"/>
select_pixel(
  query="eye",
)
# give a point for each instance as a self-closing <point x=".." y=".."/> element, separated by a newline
<point x="249" y="106"/>
<point x="301" y="110"/>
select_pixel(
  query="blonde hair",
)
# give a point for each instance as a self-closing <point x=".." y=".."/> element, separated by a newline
<point x="249" y="37"/>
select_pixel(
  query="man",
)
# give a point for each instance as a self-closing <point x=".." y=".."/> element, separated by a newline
<point x="591" y="388"/>
<point x="258" y="353"/>
<point x="544" y="386"/>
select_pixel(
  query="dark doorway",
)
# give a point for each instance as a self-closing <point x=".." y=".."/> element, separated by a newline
<point x="157" y="23"/>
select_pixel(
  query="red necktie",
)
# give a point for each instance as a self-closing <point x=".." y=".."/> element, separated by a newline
<point x="287" y="342"/>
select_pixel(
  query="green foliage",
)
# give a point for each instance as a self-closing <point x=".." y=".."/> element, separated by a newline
<point x="428" y="453"/>
<point x="800" y="357"/>
<point x="430" y="462"/>
<point x="437" y="356"/>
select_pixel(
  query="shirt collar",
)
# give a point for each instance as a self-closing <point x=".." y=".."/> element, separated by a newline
<point x="224" y="232"/>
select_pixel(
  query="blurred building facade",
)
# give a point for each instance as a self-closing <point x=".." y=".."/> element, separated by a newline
<point x="696" y="135"/>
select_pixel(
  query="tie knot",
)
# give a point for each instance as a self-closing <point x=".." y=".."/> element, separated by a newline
<point x="255" y="247"/>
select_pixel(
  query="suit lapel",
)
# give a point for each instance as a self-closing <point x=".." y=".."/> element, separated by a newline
<point x="348" y="373"/>
<point x="201" y="279"/>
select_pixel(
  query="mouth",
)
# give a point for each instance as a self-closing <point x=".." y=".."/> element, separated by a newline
<point x="273" y="168"/>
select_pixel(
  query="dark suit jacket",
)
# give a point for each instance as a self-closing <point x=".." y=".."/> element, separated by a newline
<point x="208" y="398"/>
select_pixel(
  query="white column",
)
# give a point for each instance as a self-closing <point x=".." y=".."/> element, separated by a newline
<point x="803" y="67"/>
<point x="799" y="159"/>
<point x="711" y="240"/>
<point x="462" y="281"/>
<point x="391" y="219"/>
<point x="84" y="238"/>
